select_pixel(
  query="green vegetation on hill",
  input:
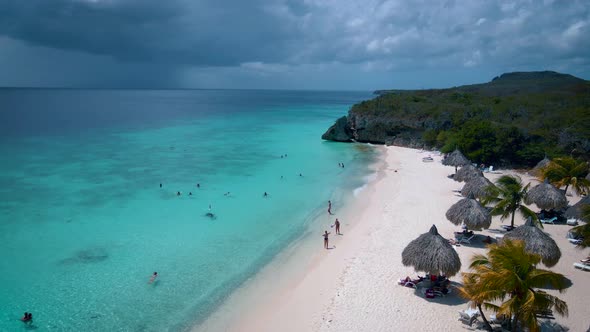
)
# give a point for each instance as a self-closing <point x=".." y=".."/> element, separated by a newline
<point x="515" y="119"/>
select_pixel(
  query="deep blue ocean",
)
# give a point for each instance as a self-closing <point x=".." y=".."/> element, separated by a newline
<point x="84" y="222"/>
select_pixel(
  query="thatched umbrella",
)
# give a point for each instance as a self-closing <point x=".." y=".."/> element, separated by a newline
<point x="546" y="196"/>
<point x="455" y="158"/>
<point x="536" y="242"/>
<point x="477" y="187"/>
<point x="467" y="173"/>
<point x="575" y="211"/>
<point x="536" y="171"/>
<point x="433" y="254"/>
<point x="471" y="213"/>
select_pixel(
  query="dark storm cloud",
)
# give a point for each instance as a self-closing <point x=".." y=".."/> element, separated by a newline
<point x="191" y="32"/>
<point x="237" y="41"/>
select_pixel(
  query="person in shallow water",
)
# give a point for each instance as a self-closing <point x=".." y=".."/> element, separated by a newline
<point x="265" y="194"/>
<point x="329" y="207"/>
<point x="337" y="225"/>
<point x="153" y="278"/>
<point x="27" y="318"/>
<point x="326" y="239"/>
<point x="160" y="185"/>
<point x="178" y="193"/>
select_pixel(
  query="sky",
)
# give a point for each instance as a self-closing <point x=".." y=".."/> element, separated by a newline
<point x="287" y="44"/>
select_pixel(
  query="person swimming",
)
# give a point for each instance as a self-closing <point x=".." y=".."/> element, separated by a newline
<point x="198" y="185"/>
<point x="160" y="185"/>
<point x="265" y="194"/>
<point x="190" y="193"/>
<point x="178" y="193"/>
<point x="153" y="278"/>
<point x="27" y="318"/>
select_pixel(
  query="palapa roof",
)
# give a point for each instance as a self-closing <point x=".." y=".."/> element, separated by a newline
<point x="477" y="187"/>
<point x="546" y="197"/>
<point x="575" y="211"/>
<point x="471" y="213"/>
<point x="433" y="254"/>
<point x="455" y="158"/>
<point x="536" y="171"/>
<point x="536" y="242"/>
<point x="466" y="173"/>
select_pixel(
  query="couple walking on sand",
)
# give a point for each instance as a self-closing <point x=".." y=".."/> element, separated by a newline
<point x="326" y="233"/>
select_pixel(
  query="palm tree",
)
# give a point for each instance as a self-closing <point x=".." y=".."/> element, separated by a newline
<point x="583" y="231"/>
<point x="508" y="274"/>
<point x="567" y="171"/>
<point x="478" y="294"/>
<point x="508" y="196"/>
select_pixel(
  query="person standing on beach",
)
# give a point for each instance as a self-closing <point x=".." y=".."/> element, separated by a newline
<point x="337" y="225"/>
<point x="326" y="239"/>
<point x="330" y="207"/>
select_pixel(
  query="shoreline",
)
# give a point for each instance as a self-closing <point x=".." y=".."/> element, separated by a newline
<point x="354" y="287"/>
<point x="265" y="290"/>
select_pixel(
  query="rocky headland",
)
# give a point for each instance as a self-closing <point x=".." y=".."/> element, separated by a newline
<point x="513" y="120"/>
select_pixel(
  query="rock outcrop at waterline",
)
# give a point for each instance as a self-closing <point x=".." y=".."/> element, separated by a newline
<point x="373" y="129"/>
<point x="520" y="116"/>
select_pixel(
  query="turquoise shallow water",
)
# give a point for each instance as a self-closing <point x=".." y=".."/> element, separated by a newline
<point x="84" y="222"/>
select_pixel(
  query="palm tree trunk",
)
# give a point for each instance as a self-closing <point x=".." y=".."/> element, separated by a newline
<point x="512" y="221"/>
<point x="565" y="191"/>
<point x="488" y="326"/>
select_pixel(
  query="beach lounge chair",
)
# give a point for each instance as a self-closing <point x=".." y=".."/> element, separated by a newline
<point x="508" y="228"/>
<point x="548" y="221"/>
<point x="466" y="239"/>
<point x="468" y="316"/>
<point x="500" y="320"/>
<point x="582" y="266"/>
<point x="575" y="241"/>
<point x="572" y="222"/>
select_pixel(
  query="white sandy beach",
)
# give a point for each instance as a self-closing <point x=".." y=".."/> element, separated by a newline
<point x="353" y="287"/>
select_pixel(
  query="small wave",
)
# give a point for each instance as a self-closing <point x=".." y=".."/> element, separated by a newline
<point x="367" y="179"/>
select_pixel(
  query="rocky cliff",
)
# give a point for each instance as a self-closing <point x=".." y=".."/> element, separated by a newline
<point x="546" y="108"/>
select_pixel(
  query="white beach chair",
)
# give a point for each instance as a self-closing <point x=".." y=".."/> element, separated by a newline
<point x="548" y="221"/>
<point x="575" y="241"/>
<point x="465" y="239"/>
<point x="582" y="266"/>
<point x="468" y="316"/>
<point x="572" y="222"/>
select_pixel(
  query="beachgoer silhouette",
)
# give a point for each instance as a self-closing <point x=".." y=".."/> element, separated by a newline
<point x="27" y="318"/>
<point x="326" y="239"/>
<point x="178" y="193"/>
<point x="281" y="177"/>
<point x="160" y="185"/>
<point x="265" y="194"/>
<point x="153" y="278"/>
<point x="337" y="225"/>
<point x="190" y="193"/>
<point x="329" y="207"/>
<point x="300" y="174"/>
<point x="198" y="185"/>
<point x="342" y="165"/>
